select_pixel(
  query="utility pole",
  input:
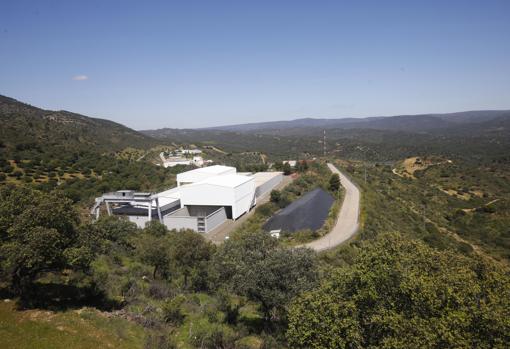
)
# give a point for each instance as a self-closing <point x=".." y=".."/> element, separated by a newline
<point x="324" y="143"/>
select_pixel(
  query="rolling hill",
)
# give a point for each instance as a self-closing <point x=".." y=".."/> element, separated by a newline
<point x="473" y="134"/>
<point x="409" y="123"/>
<point x="26" y="126"/>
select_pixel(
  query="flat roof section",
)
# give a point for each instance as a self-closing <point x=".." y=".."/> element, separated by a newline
<point x="200" y="174"/>
<point x="229" y="181"/>
<point x="215" y="169"/>
<point x="263" y="177"/>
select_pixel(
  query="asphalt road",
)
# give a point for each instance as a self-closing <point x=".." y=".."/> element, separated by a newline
<point x="348" y="219"/>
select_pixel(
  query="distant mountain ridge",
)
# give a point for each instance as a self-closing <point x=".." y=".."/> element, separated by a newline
<point x="410" y="123"/>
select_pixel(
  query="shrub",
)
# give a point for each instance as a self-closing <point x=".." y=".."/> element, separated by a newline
<point x="172" y="310"/>
<point x="334" y="182"/>
<point x="212" y="335"/>
<point x="159" y="341"/>
<point x="276" y="195"/>
<point x="287" y="170"/>
<point x="159" y="290"/>
<point x="17" y="174"/>
<point x="265" y="210"/>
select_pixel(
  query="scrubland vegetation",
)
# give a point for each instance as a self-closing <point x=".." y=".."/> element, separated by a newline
<point x="428" y="267"/>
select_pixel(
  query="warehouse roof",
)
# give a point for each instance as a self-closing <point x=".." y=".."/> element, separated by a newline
<point x="230" y="180"/>
<point x="263" y="177"/>
<point x="308" y="212"/>
<point x="216" y="170"/>
<point x="200" y="174"/>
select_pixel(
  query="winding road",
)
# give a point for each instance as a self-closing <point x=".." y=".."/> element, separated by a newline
<point x="348" y="219"/>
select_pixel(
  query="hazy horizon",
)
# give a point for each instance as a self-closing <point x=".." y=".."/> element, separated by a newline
<point x="204" y="64"/>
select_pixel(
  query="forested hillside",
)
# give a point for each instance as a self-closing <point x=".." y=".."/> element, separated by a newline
<point x="24" y="127"/>
<point x="478" y="134"/>
<point x="78" y="155"/>
<point x="411" y="123"/>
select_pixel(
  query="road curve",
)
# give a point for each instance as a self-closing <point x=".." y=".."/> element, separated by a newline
<point x="348" y="219"/>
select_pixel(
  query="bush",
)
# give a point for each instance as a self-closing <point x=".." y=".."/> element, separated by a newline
<point x="212" y="335"/>
<point x="287" y="170"/>
<point x="17" y="174"/>
<point x="159" y="341"/>
<point x="285" y="200"/>
<point x="27" y="179"/>
<point x="334" y="182"/>
<point x="265" y="210"/>
<point x="7" y="168"/>
<point x="304" y="235"/>
<point x="172" y="311"/>
<point x="159" y="290"/>
<point x="276" y="195"/>
<point x="229" y="308"/>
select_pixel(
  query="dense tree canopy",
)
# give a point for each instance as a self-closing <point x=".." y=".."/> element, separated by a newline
<point x="39" y="233"/>
<point x="401" y="293"/>
<point x="190" y="253"/>
<point x="153" y="247"/>
<point x="253" y="265"/>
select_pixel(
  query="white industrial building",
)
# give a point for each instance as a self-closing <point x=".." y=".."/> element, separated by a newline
<point x="204" y="199"/>
<point x="234" y="192"/>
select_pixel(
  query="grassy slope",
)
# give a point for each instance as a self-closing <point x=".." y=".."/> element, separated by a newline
<point x="77" y="329"/>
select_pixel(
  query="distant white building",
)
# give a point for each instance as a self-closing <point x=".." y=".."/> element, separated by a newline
<point x="198" y="161"/>
<point x="173" y="161"/>
<point x="292" y="163"/>
<point x="191" y="151"/>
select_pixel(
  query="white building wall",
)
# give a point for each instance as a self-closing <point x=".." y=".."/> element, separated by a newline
<point x="167" y="164"/>
<point x="179" y="223"/>
<point x="206" y="195"/>
<point x="266" y="187"/>
<point x="215" y="219"/>
<point x="244" y="198"/>
<point x="239" y="198"/>
<point x="140" y="221"/>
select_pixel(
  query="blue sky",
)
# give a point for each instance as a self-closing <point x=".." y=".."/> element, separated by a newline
<point x="151" y="64"/>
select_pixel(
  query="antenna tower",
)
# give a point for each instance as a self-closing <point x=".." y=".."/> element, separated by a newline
<point x="324" y="143"/>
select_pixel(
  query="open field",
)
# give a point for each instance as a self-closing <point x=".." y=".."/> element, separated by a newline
<point x="81" y="329"/>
